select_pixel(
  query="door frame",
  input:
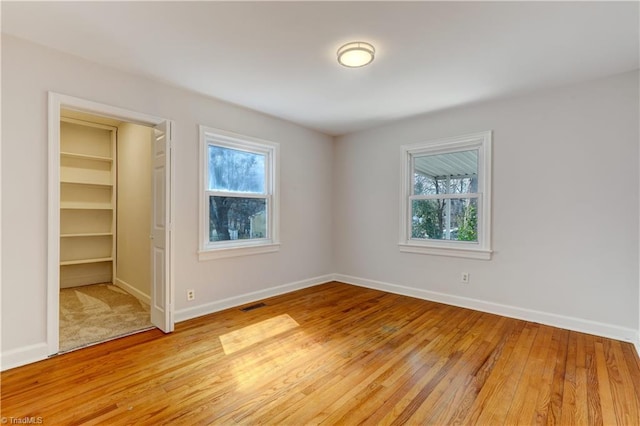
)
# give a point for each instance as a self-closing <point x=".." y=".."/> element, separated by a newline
<point x="56" y="102"/>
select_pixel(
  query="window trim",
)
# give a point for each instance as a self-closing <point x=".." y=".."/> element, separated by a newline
<point x="271" y="150"/>
<point x="481" y="141"/>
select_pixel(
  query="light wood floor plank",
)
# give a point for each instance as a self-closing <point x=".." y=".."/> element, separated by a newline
<point x="609" y="415"/>
<point x="627" y="406"/>
<point x="484" y="405"/>
<point x="594" y="388"/>
<point x="554" y="412"/>
<point x="528" y="386"/>
<point x="358" y="356"/>
<point x="583" y="401"/>
<point x="570" y="384"/>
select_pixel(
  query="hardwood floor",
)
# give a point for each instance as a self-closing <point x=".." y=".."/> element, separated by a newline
<point x="346" y="355"/>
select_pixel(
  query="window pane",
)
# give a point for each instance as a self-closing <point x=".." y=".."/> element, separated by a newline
<point x="426" y="185"/>
<point x="236" y="171"/>
<point x="446" y="219"/>
<point x="235" y="218"/>
<point x="451" y="173"/>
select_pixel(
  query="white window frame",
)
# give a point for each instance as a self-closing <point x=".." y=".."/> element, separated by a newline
<point x="475" y="250"/>
<point x="271" y="150"/>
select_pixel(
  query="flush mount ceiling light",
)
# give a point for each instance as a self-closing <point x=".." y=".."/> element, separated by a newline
<point x="356" y="54"/>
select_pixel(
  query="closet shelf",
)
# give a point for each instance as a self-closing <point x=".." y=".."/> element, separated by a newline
<point x="85" y="206"/>
<point x="86" y="157"/>
<point x="82" y="261"/>
<point x="86" y="183"/>
<point x="87" y="234"/>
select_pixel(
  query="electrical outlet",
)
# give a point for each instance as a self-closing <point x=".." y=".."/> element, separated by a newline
<point x="464" y="277"/>
<point x="191" y="295"/>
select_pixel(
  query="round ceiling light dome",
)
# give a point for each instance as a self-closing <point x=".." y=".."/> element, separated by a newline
<point x="356" y="54"/>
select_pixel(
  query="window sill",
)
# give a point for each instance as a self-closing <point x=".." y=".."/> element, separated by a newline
<point x="465" y="252"/>
<point x="221" y="253"/>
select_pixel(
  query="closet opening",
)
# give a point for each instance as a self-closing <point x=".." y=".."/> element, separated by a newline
<point x="105" y="223"/>
<point x="110" y="213"/>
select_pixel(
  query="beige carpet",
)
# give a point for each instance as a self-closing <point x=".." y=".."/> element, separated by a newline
<point x="99" y="312"/>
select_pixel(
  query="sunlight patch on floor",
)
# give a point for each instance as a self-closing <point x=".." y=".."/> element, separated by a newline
<point x="254" y="333"/>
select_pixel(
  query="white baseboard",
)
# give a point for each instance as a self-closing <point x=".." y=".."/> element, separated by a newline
<point x="555" y="320"/>
<point x="637" y="344"/>
<point x="23" y="356"/>
<point x="209" y="308"/>
<point x="133" y="291"/>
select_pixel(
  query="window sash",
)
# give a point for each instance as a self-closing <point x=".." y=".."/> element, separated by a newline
<point x="435" y="241"/>
<point x="234" y="146"/>
<point x="445" y="196"/>
<point x="235" y="194"/>
<point x="268" y="211"/>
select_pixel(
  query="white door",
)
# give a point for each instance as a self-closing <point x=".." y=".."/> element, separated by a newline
<point x="161" y="303"/>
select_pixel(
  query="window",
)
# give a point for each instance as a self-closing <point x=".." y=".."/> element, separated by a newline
<point x="446" y="197"/>
<point x="239" y="198"/>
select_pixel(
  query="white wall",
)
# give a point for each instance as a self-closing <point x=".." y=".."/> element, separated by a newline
<point x="133" y="252"/>
<point x="567" y="249"/>
<point x="29" y="71"/>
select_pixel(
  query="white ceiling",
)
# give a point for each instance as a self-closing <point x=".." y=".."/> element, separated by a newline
<point x="279" y="58"/>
